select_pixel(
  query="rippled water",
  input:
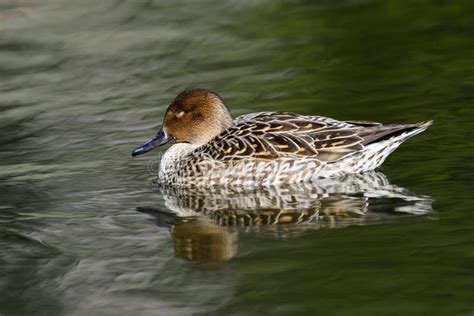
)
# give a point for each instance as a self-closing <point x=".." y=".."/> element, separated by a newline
<point x="84" y="231"/>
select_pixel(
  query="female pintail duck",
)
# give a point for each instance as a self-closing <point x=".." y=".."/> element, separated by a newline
<point x="265" y="148"/>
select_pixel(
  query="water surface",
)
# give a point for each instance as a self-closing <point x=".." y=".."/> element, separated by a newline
<point x="85" y="231"/>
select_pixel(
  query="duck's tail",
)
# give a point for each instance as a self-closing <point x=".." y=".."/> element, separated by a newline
<point x="421" y="127"/>
<point x="382" y="142"/>
<point x="379" y="142"/>
<point x="396" y="133"/>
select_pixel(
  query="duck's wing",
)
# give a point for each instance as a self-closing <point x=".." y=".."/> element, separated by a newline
<point x="271" y="135"/>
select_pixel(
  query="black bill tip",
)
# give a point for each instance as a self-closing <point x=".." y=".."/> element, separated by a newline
<point x="160" y="139"/>
<point x="138" y="151"/>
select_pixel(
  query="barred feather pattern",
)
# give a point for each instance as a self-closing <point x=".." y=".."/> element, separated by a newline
<point x="271" y="148"/>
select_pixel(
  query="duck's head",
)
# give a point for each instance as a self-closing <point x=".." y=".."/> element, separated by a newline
<point x="195" y="117"/>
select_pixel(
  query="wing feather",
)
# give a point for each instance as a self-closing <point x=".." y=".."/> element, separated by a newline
<point x="271" y="135"/>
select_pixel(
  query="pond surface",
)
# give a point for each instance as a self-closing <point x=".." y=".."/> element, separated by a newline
<point x="85" y="231"/>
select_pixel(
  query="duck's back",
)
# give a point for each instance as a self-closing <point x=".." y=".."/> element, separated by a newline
<point x="272" y="148"/>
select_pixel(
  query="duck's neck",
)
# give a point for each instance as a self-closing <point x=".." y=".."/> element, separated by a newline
<point x="172" y="156"/>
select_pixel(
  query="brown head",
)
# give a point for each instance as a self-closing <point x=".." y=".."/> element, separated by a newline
<point x="195" y="116"/>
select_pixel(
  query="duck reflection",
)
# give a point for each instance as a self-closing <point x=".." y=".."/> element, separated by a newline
<point x="202" y="240"/>
<point x="205" y="222"/>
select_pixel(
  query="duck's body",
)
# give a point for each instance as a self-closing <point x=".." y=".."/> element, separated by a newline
<point x="270" y="148"/>
<point x="273" y="148"/>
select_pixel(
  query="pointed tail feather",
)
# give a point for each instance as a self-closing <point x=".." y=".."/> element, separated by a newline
<point x="402" y="132"/>
<point x="424" y="125"/>
<point x="418" y="128"/>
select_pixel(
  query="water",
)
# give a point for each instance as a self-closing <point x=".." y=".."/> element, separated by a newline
<point x="84" y="231"/>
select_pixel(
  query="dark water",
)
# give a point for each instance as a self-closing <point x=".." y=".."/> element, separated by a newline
<point x="84" y="231"/>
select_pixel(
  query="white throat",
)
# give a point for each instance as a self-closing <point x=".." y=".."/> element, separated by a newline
<point x="172" y="156"/>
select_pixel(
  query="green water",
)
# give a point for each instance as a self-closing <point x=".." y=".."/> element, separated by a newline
<point x="84" y="231"/>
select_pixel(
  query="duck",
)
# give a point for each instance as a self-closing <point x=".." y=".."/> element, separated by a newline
<point x="210" y="148"/>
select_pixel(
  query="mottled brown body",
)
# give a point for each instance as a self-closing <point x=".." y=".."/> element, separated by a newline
<point x="273" y="148"/>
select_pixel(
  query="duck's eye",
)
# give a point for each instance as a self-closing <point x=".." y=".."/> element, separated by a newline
<point x="180" y="114"/>
<point x="198" y="117"/>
